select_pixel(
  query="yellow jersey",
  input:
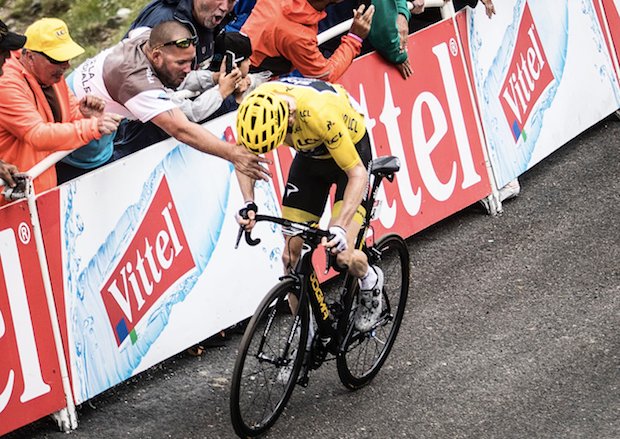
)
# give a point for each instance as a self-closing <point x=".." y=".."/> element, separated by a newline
<point x="327" y="125"/>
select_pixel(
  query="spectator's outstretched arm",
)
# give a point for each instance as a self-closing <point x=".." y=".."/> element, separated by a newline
<point x="175" y="123"/>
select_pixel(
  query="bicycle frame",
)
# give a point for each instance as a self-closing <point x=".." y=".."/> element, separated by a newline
<point x="304" y="273"/>
<point x="308" y="280"/>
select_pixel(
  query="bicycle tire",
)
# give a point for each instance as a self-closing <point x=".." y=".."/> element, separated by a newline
<point x="362" y="355"/>
<point x="272" y="343"/>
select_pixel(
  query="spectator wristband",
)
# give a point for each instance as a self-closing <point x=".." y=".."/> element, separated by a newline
<point x="355" y="37"/>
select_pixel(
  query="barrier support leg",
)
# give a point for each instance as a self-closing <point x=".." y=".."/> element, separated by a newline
<point x="66" y="418"/>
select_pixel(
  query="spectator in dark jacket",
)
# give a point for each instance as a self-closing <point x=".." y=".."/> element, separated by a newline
<point x="241" y="12"/>
<point x="204" y="18"/>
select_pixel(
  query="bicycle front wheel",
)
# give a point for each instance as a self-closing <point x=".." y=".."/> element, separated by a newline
<point x="268" y="362"/>
<point x="362" y="354"/>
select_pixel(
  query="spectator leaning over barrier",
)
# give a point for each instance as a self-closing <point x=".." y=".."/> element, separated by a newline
<point x="133" y="77"/>
<point x="204" y="18"/>
<point x="8" y="41"/>
<point x="38" y="113"/>
<point x="284" y="37"/>
<point x="240" y="13"/>
<point x="198" y="96"/>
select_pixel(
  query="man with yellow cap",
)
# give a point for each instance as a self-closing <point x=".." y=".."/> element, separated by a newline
<point x="38" y="113"/>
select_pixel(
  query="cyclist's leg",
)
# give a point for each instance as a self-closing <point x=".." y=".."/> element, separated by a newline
<point x="369" y="299"/>
<point x="354" y="259"/>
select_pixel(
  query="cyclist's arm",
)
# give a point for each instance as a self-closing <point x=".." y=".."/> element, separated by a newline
<point x="246" y="184"/>
<point x="353" y="195"/>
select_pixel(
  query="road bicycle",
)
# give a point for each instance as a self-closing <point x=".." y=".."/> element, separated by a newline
<point x="279" y="348"/>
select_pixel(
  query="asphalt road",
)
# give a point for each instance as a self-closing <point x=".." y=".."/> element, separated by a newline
<point x="512" y="331"/>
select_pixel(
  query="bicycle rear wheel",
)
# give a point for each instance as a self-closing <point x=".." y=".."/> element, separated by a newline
<point x="362" y="354"/>
<point x="268" y="362"/>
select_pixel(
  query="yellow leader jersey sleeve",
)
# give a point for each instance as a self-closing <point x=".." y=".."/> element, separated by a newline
<point x="326" y="125"/>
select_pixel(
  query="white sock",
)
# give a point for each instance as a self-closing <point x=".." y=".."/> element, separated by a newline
<point x="369" y="280"/>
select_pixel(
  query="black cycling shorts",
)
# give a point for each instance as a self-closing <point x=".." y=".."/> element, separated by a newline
<point x="310" y="180"/>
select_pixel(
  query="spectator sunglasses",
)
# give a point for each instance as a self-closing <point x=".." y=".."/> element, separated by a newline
<point x="181" y="43"/>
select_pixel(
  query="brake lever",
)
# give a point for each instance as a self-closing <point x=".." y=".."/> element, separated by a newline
<point x="239" y="233"/>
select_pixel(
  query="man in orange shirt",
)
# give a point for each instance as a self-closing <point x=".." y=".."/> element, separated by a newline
<point x="284" y="37"/>
<point x="38" y="113"/>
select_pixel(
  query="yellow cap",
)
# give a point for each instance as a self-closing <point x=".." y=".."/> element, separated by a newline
<point x="51" y="36"/>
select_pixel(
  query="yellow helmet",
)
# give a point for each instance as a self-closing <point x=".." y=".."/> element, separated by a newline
<point x="262" y="121"/>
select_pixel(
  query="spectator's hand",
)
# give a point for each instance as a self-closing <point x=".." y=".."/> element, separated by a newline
<point x="405" y="69"/>
<point x="6" y="173"/>
<point x="418" y="7"/>
<point x="108" y="123"/>
<point x="228" y="82"/>
<point x="92" y="106"/>
<point x="249" y="164"/>
<point x="362" y="20"/>
<point x="243" y="85"/>
<point x="490" y="9"/>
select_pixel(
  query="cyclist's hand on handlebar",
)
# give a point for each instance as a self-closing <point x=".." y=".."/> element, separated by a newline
<point x="338" y="241"/>
<point x="245" y="216"/>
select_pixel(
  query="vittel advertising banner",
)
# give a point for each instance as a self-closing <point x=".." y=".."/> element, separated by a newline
<point x="429" y="122"/>
<point x="148" y="260"/>
<point x="543" y="74"/>
<point x="30" y="383"/>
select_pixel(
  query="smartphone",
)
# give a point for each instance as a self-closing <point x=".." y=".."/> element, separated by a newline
<point x="230" y="59"/>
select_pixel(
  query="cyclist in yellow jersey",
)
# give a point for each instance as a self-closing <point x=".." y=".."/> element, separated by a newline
<point x="317" y="119"/>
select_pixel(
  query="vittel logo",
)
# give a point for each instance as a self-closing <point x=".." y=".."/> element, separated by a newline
<point x="157" y="257"/>
<point x="528" y="76"/>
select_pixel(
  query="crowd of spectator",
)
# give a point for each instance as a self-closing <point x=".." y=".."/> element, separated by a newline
<point x="180" y="63"/>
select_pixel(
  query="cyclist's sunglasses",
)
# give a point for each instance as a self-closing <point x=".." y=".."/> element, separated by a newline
<point x="182" y="43"/>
